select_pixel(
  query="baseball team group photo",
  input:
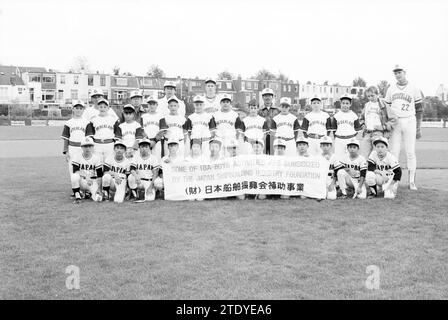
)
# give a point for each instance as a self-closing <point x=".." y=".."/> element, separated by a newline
<point x="186" y="169"/>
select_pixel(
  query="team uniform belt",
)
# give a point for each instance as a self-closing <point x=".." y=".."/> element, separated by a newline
<point x="286" y="139"/>
<point x="74" y="143"/>
<point x="345" y="137"/>
<point x="146" y="179"/>
<point x="372" y="131"/>
<point x="315" y="136"/>
<point x="250" y="140"/>
<point x="103" y="141"/>
<point x="93" y="177"/>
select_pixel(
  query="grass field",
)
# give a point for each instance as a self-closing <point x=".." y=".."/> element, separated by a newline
<point x="218" y="249"/>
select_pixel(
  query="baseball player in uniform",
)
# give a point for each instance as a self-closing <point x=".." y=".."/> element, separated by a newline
<point x="406" y="102"/>
<point x="351" y="171"/>
<point x="144" y="170"/>
<point x="196" y="152"/>
<point x="174" y="124"/>
<point x="136" y="98"/>
<point x="227" y="121"/>
<point x="212" y="101"/>
<point x="383" y="169"/>
<point x="345" y="125"/>
<point x="115" y="175"/>
<point x="286" y="127"/>
<point x="170" y="92"/>
<point x="215" y="146"/>
<point x="131" y="130"/>
<point x="315" y="125"/>
<point x="254" y="127"/>
<point x="91" y="111"/>
<point x="150" y="122"/>
<point x="87" y="172"/>
<point x="104" y="129"/>
<point x="279" y="147"/>
<point x="268" y="111"/>
<point x="326" y="145"/>
<point x="200" y="124"/>
<point x="73" y="133"/>
<point x="302" y="145"/>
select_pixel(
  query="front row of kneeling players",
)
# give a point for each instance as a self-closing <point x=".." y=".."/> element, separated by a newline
<point x="140" y="177"/>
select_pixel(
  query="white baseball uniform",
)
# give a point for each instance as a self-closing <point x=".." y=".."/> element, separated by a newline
<point x="86" y="171"/>
<point x="402" y="100"/>
<point x="130" y="132"/>
<point x="175" y="124"/>
<point x="315" y="125"/>
<point x="144" y="168"/>
<point x="199" y="126"/>
<point x="150" y="123"/>
<point x="212" y="105"/>
<point x="349" y="171"/>
<point x="74" y="132"/>
<point x="286" y="126"/>
<point x="345" y="126"/>
<point x="115" y="176"/>
<point x="104" y="130"/>
<point x="228" y="124"/>
<point x="384" y="168"/>
<point x="91" y="112"/>
<point x="254" y="128"/>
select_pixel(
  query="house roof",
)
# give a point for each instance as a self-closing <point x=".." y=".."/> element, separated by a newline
<point x="9" y="76"/>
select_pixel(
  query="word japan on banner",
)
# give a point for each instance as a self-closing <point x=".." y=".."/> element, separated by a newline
<point x="247" y="174"/>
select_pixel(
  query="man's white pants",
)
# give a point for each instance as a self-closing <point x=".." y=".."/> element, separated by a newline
<point x="344" y="180"/>
<point x="119" y="186"/>
<point x="73" y="152"/>
<point x="405" y="130"/>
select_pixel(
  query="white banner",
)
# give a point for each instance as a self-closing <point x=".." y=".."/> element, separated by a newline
<point x="246" y="174"/>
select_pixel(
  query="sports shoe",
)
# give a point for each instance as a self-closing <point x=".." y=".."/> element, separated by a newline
<point x="412" y="186"/>
<point x="106" y="196"/>
<point x="342" y="196"/>
<point x="87" y="195"/>
<point x="77" y="198"/>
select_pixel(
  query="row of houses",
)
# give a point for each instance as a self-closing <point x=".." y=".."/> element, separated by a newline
<point x="39" y="87"/>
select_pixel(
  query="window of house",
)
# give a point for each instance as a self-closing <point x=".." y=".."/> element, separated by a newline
<point x="284" y="88"/>
<point x="60" y="94"/>
<point x="103" y="81"/>
<point x="229" y="85"/>
<point x="48" y="79"/>
<point x="31" y="94"/>
<point x="74" y="94"/>
<point x="289" y="88"/>
<point x="247" y="97"/>
<point x="34" y="77"/>
<point x="331" y="89"/>
<point x="219" y="85"/>
<point x="122" y="81"/>
<point x="337" y="90"/>
<point x="296" y="88"/>
<point x="255" y="85"/>
<point x="4" y="93"/>
<point x="249" y="85"/>
<point x="90" y="80"/>
<point x="48" y="95"/>
<point x="76" y="80"/>
<point x="62" y="79"/>
<point x="120" y="95"/>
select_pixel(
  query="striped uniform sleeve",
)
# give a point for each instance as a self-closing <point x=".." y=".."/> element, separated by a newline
<point x="90" y="130"/>
<point x="65" y="132"/>
<point x="265" y="126"/>
<point x="327" y="125"/>
<point x="188" y="125"/>
<point x="162" y="124"/>
<point x="239" y="124"/>
<point x="305" y="125"/>
<point x="117" y="130"/>
<point x="212" y="124"/>
<point x="296" y="126"/>
<point x="99" y="170"/>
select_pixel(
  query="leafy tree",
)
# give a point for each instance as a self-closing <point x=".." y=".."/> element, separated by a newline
<point x="282" y="77"/>
<point x="264" y="74"/>
<point x="116" y="71"/>
<point x="225" y="75"/>
<point x="80" y="65"/>
<point x="359" y="82"/>
<point x="155" y="72"/>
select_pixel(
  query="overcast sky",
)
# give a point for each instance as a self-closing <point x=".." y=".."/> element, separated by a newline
<point x="313" y="40"/>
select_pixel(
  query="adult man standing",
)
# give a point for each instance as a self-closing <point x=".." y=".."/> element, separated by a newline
<point x="136" y="98"/>
<point x="268" y="110"/>
<point x="92" y="110"/>
<point x="406" y="102"/>
<point x="212" y="101"/>
<point x="170" y="92"/>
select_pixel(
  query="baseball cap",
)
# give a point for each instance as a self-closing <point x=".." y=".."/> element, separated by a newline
<point x="316" y="97"/>
<point x="169" y="84"/>
<point x="279" y="142"/>
<point x="226" y="96"/>
<point x="381" y="139"/>
<point x="135" y="93"/>
<point x="215" y="139"/>
<point x="146" y="140"/>
<point x="152" y="99"/>
<point x="353" y="141"/>
<point x="210" y="80"/>
<point x="119" y="142"/>
<point x="198" y="98"/>
<point x="102" y="100"/>
<point x="326" y="139"/>
<point x="96" y="92"/>
<point x="345" y="96"/>
<point x="267" y="91"/>
<point x="78" y="103"/>
<point x="302" y="139"/>
<point x="87" y="141"/>
<point x="173" y="99"/>
<point x="129" y="106"/>
<point x="285" y="100"/>
<point x="258" y="141"/>
<point x="397" y="68"/>
<point x="172" y="141"/>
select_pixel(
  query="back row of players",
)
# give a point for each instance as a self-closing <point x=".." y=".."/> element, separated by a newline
<point x="131" y="150"/>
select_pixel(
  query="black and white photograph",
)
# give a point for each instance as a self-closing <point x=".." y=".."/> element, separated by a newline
<point x="233" y="150"/>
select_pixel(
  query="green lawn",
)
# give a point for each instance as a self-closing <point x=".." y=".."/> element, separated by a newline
<point x="219" y="249"/>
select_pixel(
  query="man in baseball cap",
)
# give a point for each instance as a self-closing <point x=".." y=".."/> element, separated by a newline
<point x="96" y="94"/>
<point x="215" y="145"/>
<point x="302" y="146"/>
<point x="268" y="111"/>
<point x="211" y="101"/>
<point x="169" y="88"/>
